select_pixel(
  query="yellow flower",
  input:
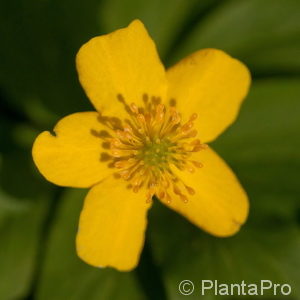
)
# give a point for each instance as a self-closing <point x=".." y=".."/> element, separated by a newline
<point x="144" y="140"/>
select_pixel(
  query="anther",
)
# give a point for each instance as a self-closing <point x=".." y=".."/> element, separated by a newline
<point x="141" y="118"/>
<point x="190" y="190"/>
<point x="128" y="128"/>
<point x="134" y="108"/>
<point x="120" y="97"/>
<point x="193" y="117"/>
<point x="145" y="97"/>
<point x="184" y="198"/>
<point x="187" y="126"/>
<point x="190" y="169"/>
<point x="197" y="164"/>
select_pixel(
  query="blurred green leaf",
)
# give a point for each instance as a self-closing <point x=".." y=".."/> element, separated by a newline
<point x="19" y="176"/>
<point x="268" y="251"/>
<point x="20" y="231"/>
<point x="6" y="141"/>
<point x="24" y="135"/>
<point x="9" y="203"/>
<point x="262" y="146"/>
<point x="39" y="41"/>
<point x="163" y="19"/>
<point x="263" y="34"/>
<point x="65" y="276"/>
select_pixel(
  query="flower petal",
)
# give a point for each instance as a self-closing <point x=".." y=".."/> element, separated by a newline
<point x="112" y="226"/>
<point x="219" y="205"/>
<point x="212" y="84"/>
<point x="74" y="156"/>
<point x="123" y="62"/>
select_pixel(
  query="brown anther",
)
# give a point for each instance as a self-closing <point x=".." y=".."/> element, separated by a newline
<point x="128" y="128"/>
<point x="121" y="134"/>
<point x="198" y="148"/>
<point x="187" y="126"/>
<point x="190" y="190"/>
<point x="184" y="198"/>
<point x="193" y="117"/>
<point x="116" y="143"/>
<point x="161" y="195"/>
<point x="190" y="169"/>
<point x="120" y="97"/>
<point x="196" y="142"/>
<point x="149" y="196"/>
<point x="145" y="97"/>
<point x="137" y="182"/>
<point x="134" y="108"/>
<point x="125" y="174"/>
<point x="172" y="102"/>
<point x="160" y="112"/>
<point x="135" y="189"/>
<point x="175" y="118"/>
<point x="141" y="118"/>
<point x="118" y="164"/>
<point x="197" y="164"/>
<point x="192" y="133"/>
<point x="176" y="190"/>
<point x="116" y="153"/>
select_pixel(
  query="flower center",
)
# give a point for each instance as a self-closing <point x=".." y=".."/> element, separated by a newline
<point x="150" y="144"/>
<point x="156" y="153"/>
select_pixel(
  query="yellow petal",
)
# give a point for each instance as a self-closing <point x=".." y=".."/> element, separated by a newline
<point x="112" y="225"/>
<point x="212" y="84"/>
<point x="74" y="156"/>
<point x="219" y="205"/>
<point x="123" y="62"/>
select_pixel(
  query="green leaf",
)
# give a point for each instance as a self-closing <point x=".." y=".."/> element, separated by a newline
<point x="39" y="44"/>
<point x="19" y="177"/>
<point x="266" y="252"/>
<point x="262" y="147"/>
<point x="163" y="19"/>
<point x="24" y="203"/>
<point x="263" y="34"/>
<point x="20" y="231"/>
<point x="65" y="276"/>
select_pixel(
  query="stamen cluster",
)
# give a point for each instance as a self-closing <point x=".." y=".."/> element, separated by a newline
<point x="149" y="143"/>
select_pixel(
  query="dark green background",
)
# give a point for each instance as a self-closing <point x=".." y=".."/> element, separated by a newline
<point x="39" y="85"/>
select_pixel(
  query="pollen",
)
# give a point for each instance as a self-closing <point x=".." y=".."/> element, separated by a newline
<point x="153" y="141"/>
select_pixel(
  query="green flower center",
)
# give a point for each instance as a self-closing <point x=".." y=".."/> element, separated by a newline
<point x="156" y="153"/>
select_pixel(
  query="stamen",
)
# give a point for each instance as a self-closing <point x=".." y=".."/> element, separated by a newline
<point x="134" y="108"/>
<point x="145" y="147"/>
